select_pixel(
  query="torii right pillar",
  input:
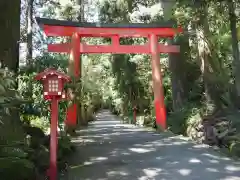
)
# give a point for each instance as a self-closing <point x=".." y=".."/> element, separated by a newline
<point x="160" y="110"/>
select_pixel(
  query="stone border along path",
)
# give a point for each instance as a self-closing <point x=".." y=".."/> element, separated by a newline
<point x="110" y="150"/>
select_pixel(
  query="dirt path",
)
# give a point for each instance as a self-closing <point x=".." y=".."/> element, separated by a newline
<point x="116" y="151"/>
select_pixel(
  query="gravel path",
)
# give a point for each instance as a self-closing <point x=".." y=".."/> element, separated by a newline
<point x="110" y="150"/>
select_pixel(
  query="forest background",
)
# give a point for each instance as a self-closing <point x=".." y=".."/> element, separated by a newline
<point x="201" y="83"/>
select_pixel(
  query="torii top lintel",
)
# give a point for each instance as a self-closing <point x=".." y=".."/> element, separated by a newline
<point x="54" y="27"/>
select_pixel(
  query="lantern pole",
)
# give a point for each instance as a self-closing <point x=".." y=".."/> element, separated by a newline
<point x="53" y="139"/>
<point x="157" y="83"/>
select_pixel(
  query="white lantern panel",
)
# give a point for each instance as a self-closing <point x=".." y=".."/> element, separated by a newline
<point x="53" y="85"/>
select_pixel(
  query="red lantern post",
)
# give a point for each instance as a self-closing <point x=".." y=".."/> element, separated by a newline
<point x="53" y="84"/>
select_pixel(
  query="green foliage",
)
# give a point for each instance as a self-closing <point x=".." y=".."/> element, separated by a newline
<point x="13" y="154"/>
<point x="65" y="147"/>
<point x="24" y="147"/>
<point x="37" y="112"/>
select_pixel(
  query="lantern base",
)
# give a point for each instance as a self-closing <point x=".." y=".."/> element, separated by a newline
<point x="58" y="97"/>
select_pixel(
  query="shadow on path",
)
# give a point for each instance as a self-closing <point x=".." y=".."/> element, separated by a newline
<point x="109" y="150"/>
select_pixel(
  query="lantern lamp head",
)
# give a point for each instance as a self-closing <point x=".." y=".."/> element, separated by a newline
<point x="53" y="83"/>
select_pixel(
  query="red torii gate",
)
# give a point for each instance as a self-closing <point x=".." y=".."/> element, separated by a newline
<point x="76" y="30"/>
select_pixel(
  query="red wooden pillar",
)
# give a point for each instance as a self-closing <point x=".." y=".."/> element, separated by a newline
<point x="157" y="83"/>
<point x="53" y="139"/>
<point x="74" y="69"/>
<point x="75" y="54"/>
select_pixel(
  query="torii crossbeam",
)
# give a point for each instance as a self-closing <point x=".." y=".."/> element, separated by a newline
<point x="77" y="30"/>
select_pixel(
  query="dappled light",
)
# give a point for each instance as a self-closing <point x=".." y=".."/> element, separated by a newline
<point x="142" y="150"/>
<point x="185" y="172"/>
<point x="152" y="172"/>
<point x="131" y="152"/>
<point x="212" y="170"/>
<point x="194" y="160"/>
<point x="217" y="157"/>
<point x="232" y="168"/>
<point x="117" y="173"/>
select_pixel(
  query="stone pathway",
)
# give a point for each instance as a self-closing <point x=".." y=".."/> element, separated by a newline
<point x="110" y="150"/>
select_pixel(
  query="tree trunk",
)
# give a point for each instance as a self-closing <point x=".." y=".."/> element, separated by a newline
<point x="10" y="33"/>
<point x="81" y="112"/>
<point x="29" y="24"/>
<point x="177" y="66"/>
<point x="177" y="61"/>
<point x="208" y="64"/>
<point x="236" y="58"/>
<point x="9" y="58"/>
<point x="81" y="16"/>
